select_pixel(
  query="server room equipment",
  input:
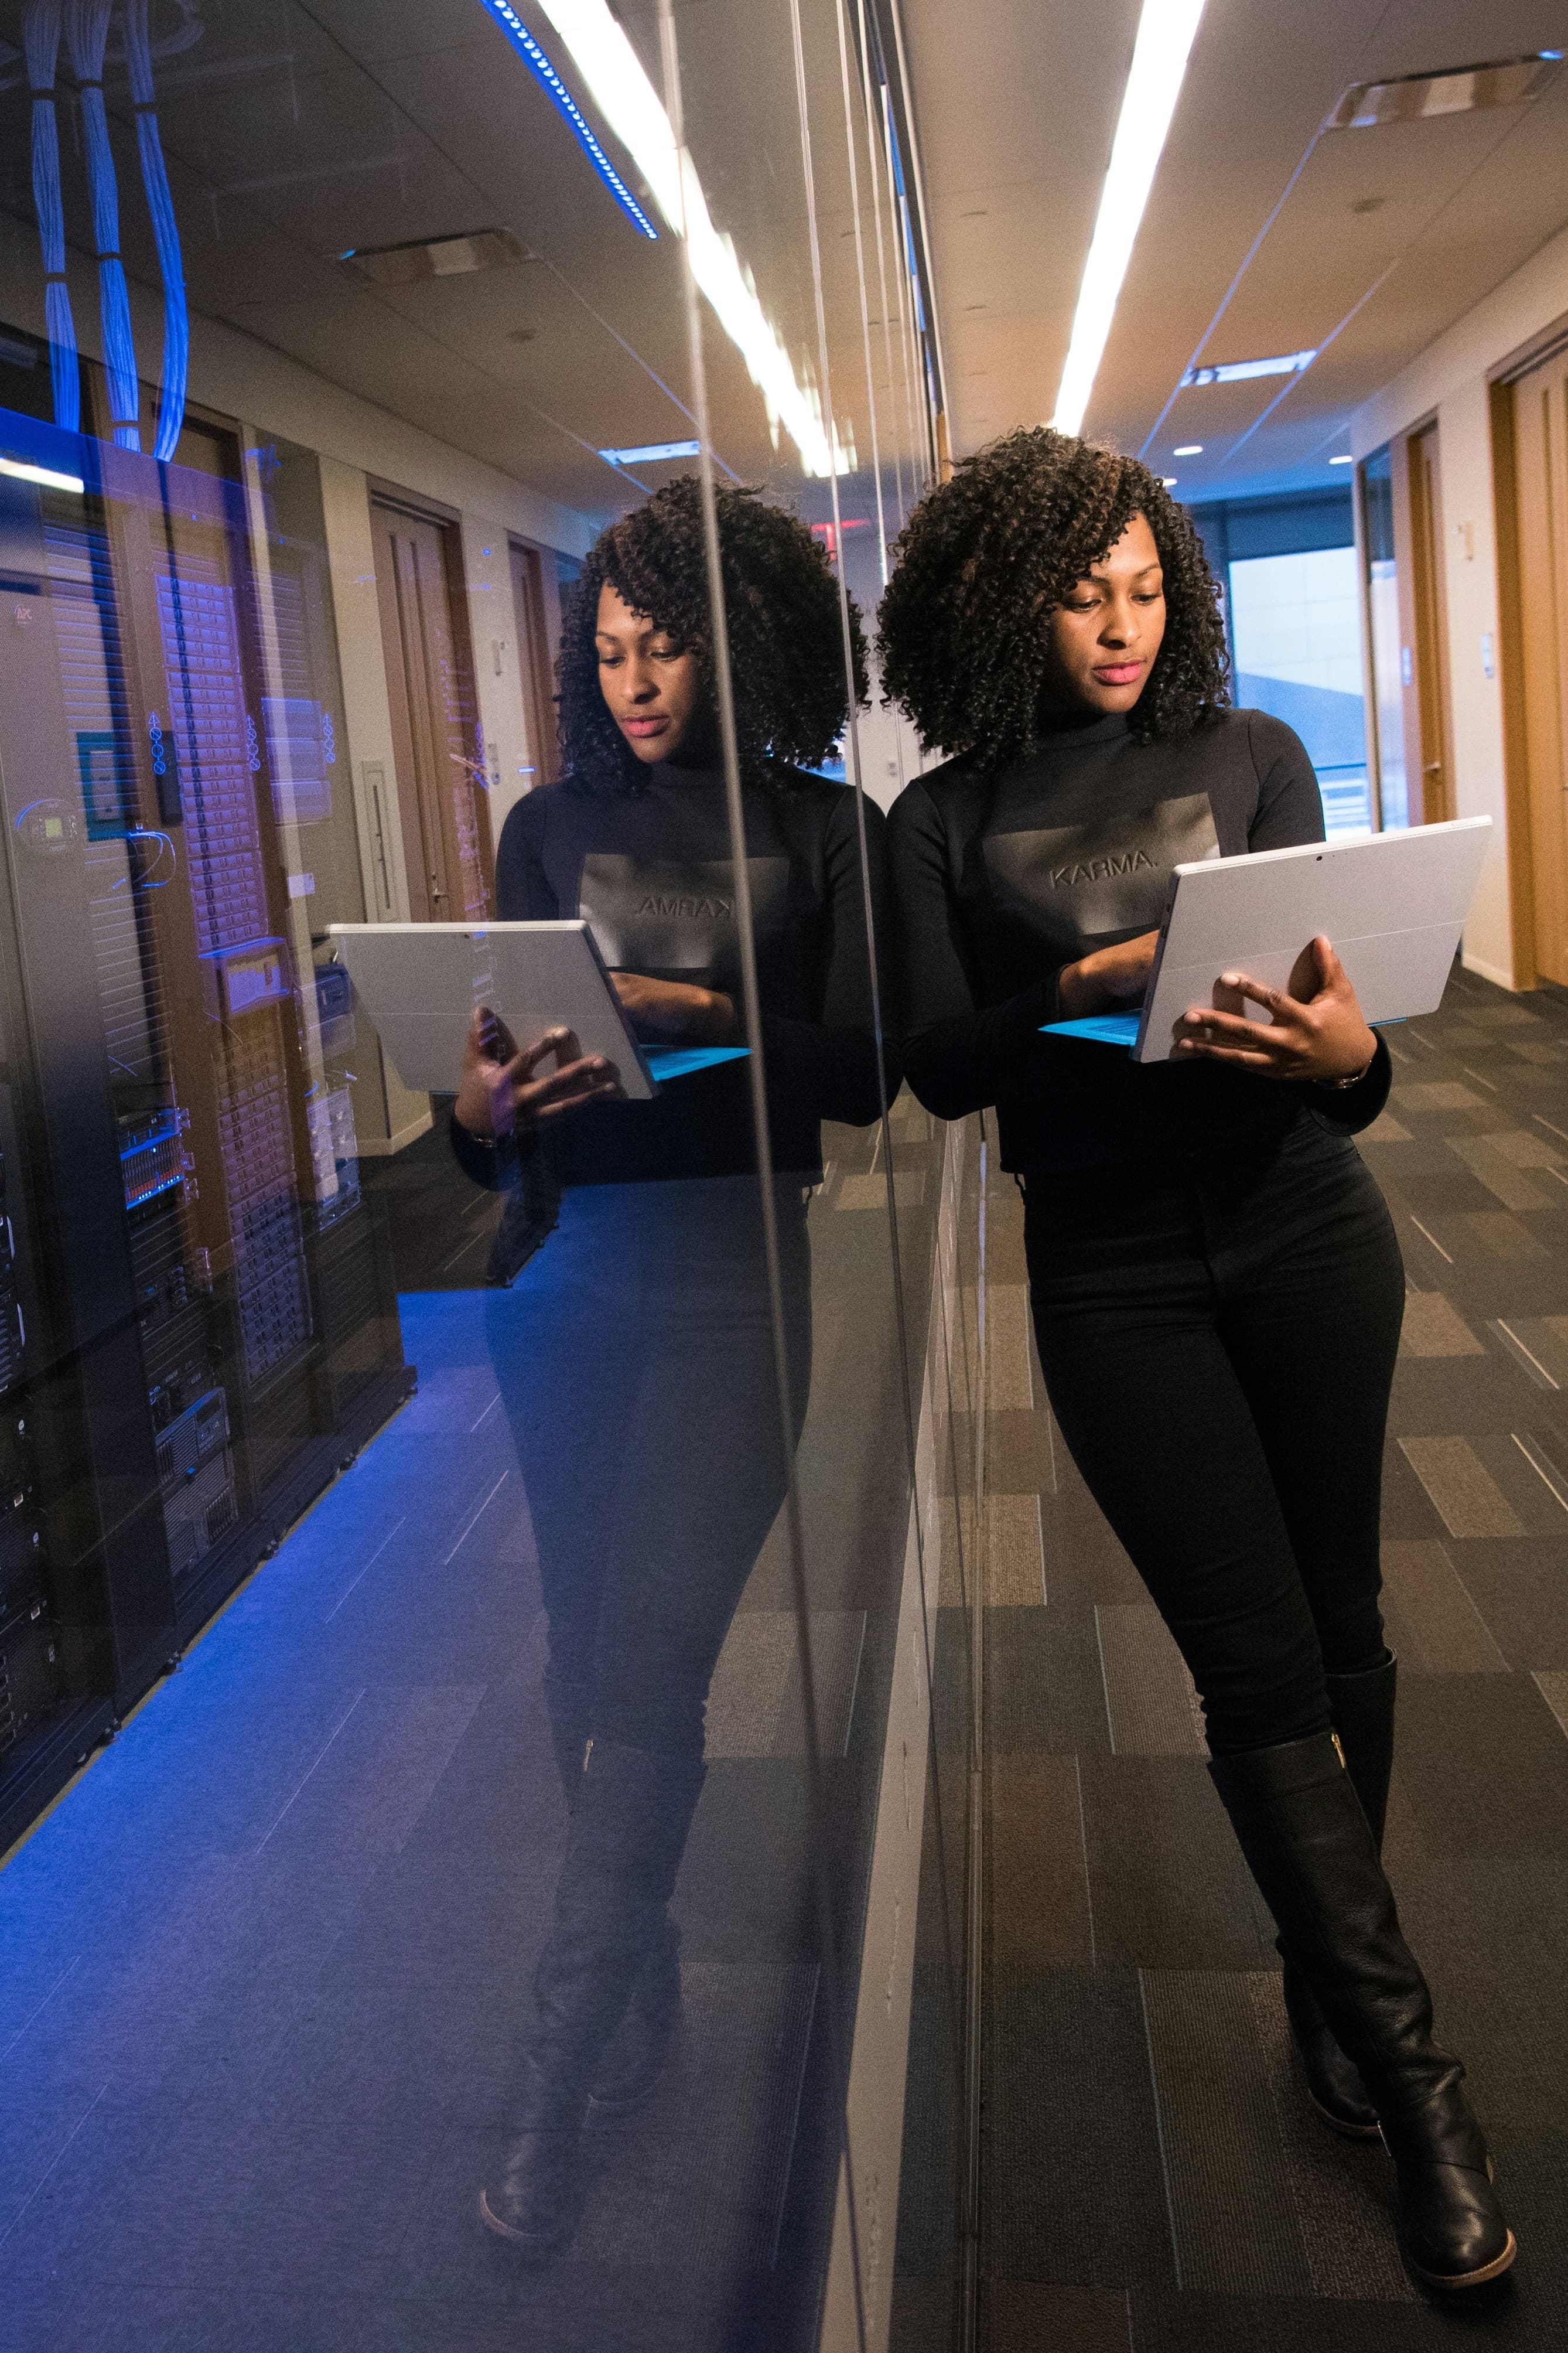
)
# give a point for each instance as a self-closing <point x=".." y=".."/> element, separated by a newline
<point x="197" y="1314"/>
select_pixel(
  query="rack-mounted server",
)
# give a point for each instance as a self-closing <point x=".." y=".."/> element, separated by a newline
<point x="197" y="1315"/>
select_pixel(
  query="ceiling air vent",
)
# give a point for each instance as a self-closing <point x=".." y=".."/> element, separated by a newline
<point x="1411" y="98"/>
<point x="436" y="257"/>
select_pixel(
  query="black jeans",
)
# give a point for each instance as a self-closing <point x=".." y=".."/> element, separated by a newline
<point x="1218" y="1344"/>
<point x="634" y="1359"/>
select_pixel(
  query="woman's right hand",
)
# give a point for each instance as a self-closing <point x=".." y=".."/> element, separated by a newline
<point x="1108" y="977"/>
<point x="498" y="1093"/>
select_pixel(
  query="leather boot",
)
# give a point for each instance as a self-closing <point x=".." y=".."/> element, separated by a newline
<point x="634" y="2056"/>
<point x="629" y="1831"/>
<point x="1301" y="1825"/>
<point x="634" y="2060"/>
<point x="1362" y="1710"/>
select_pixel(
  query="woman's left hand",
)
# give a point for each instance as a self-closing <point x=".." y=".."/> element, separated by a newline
<point x="1323" y="1037"/>
<point x="664" y="1010"/>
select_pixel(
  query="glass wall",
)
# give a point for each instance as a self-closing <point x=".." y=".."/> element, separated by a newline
<point x="464" y="1213"/>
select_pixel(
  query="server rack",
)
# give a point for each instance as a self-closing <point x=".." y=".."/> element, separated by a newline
<point x="197" y="1312"/>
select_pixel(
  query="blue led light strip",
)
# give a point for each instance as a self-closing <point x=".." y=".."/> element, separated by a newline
<point x="521" y="39"/>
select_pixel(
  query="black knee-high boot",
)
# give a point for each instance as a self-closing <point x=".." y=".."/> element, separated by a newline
<point x="1362" y="1711"/>
<point x="633" y="2057"/>
<point x="629" y="1831"/>
<point x="1296" y="1813"/>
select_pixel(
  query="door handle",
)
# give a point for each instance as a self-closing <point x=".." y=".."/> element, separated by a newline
<point x="1433" y="768"/>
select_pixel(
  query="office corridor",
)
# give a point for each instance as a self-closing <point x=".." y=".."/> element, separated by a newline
<point x="1153" y="2181"/>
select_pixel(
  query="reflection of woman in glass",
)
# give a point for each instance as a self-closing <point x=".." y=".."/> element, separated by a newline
<point x="635" y="1354"/>
<point x="1216" y="1282"/>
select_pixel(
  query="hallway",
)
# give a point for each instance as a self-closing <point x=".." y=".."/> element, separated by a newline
<point x="1153" y="2181"/>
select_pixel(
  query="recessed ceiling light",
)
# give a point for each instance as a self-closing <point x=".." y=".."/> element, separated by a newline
<point x="1189" y="450"/>
<point x="651" y="453"/>
<point x="1243" y="371"/>
<point x="1411" y="98"/>
<point x="1346" y="460"/>
<point x="436" y="257"/>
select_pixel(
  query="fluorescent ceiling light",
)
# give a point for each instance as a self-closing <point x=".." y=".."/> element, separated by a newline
<point x="44" y="476"/>
<point x="1167" y="481"/>
<point x="651" y="453"/>
<point x="1412" y="98"/>
<point x="1243" y="371"/>
<point x="517" y="32"/>
<point x="1342" y="461"/>
<point x="1189" y="450"/>
<point x="630" y="105"/>
<point x="1166" y="32"/>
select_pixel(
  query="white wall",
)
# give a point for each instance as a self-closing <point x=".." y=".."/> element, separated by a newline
<point x="1449" y="379"/>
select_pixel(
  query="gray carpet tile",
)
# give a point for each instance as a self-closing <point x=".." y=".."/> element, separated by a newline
<point x="1150" y="1700"/>
<point x="1040" y="1908"/>
<point x="1080" y="2194"/>
<point x="1046" y="1691"/>
<point x="1340" y="2190"/>
<point x="1169" y="1887"/>
<point x="1486" y="1766"/>
<point x="1430" y="1616"/>
<point x="1233" y="2217"/>
<point x="1026" y="2316"/>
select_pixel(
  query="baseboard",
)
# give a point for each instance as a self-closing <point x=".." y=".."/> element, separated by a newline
<point x="1484" y="971"/>
<point x="382" y="1147"/>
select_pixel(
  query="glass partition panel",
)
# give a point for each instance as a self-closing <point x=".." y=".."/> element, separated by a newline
<point x="462" y="1207"/>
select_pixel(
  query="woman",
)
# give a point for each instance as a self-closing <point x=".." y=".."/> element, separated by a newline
<point x="1215" y="1283"/>
<point x="636" y="1353"/>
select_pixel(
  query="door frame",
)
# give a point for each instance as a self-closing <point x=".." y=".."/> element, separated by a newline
<point x="448" y="523"/>
<point x="1501" y="382"/>
<point x="538" y="636"/>
<point x="1432" y="713"/>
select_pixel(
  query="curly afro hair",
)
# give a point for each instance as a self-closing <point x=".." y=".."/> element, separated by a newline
<point x="787" y="638"/>
<point x="986" y="555"/>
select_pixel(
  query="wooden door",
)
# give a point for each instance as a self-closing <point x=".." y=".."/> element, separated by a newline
<point x="1431" y="621"/>
<point x="536" y="604"/>
<point x="441" y="784"/>
<point x="1541" y="473"/>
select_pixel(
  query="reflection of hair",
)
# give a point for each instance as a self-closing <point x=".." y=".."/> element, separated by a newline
<point x="987" y="555"/>
<point x="781" y="600"/>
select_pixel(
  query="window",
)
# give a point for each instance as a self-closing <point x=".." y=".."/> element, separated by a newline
<point x="1296" y="624"/>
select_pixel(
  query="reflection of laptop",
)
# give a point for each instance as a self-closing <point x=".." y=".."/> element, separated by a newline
<point x="1393" y="904"/>
<point x="419" y="982"/>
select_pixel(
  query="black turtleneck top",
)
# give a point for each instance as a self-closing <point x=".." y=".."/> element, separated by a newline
<point x="999" y="881"/>
<point x="650" y="871"/>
